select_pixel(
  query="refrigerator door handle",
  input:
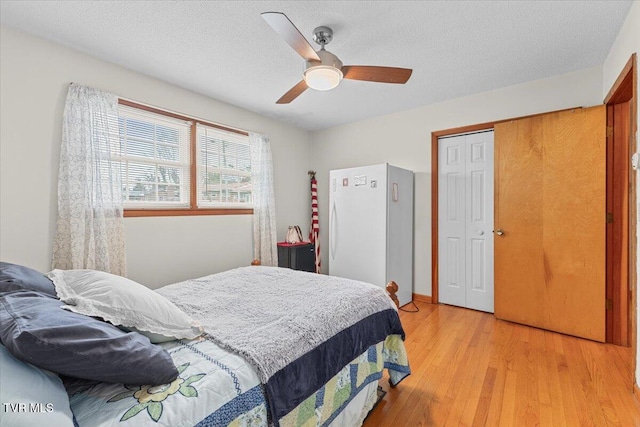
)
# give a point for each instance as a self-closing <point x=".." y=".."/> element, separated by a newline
<point x="334" y="234"/>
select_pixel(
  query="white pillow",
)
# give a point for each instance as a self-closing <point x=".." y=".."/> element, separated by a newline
<point x="123" y="302"/>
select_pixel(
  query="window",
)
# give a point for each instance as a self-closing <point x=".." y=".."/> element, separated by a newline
<point x="177" y="165"/>
<point x="155" y="159"/>
<point x="224" y="168"/>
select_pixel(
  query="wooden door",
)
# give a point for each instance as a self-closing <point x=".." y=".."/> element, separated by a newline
<point x="465" y="220"/>
<point x="550" y="205"/>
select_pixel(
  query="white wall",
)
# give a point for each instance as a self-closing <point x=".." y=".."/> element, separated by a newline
<point x="34" y="76"/>
<point x="404" y="139"/>
<point x="627" y="42"/>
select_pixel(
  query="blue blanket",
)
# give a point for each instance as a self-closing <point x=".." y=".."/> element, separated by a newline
<point x="287" y="388"/>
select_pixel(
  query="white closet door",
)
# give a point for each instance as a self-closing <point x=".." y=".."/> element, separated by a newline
<point x="465" y="221"/>
<point x="479" y="226"/>
<point x="452" y="221"/>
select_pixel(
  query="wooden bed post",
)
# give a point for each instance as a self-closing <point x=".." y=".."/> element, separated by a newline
<point x="392" y="288"/>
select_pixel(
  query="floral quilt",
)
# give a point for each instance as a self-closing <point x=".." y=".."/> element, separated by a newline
<point x="214" y="388"/>
<point x="218" y="388"/>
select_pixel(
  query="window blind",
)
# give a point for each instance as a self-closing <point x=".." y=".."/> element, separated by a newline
<point x="224" y="168"/>
<point x="155" y="159"/>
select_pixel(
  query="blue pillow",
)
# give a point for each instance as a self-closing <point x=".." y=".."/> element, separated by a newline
<point x="30" y="396"/>
<point x="37" y="330"/>
<point x="15" y="277"/>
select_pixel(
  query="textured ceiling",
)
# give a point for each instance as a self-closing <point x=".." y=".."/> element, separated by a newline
<point x="225" y="50"/>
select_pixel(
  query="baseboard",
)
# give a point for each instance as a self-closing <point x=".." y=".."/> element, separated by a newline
<point x="421" y="298"/>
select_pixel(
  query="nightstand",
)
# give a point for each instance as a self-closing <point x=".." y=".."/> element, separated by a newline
<point x="297" y="256"/>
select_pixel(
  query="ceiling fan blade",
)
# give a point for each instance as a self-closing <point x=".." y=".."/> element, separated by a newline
<point x="376" y="74"/>
<point x="293" y="93"/>
<point x="283" y="26"/>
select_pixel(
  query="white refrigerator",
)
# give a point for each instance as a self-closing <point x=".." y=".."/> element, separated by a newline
<point x="371" y="226"/>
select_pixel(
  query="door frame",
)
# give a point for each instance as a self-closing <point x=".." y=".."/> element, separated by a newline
<point x="625" y="89"/>
<point x="618" y="315"/>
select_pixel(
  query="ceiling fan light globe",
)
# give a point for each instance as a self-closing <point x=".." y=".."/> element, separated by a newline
<point x="322" y="77"/>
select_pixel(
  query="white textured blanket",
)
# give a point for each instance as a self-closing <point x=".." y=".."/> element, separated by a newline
<point x="271" y="315"/>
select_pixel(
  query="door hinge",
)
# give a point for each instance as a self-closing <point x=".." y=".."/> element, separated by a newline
<point x="609" y="218"/>
<point x="608" y="304"/>
<point x="609" y="131"/>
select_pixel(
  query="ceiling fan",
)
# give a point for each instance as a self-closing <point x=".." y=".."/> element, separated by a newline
<point x="324" y="70"/>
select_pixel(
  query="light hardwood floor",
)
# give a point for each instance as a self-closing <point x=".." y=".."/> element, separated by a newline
<point x="470" y="369"/>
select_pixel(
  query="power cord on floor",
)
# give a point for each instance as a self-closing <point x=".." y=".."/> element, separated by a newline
<point x="411" y="311"/>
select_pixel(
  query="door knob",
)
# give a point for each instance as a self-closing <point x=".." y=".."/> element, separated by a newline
<point x="499" y="232"/>
<point x="480" y="232"/>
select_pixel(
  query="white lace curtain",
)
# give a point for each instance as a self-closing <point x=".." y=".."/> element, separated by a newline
<point x="90" y="229"/>
<point x="264" y="211"/>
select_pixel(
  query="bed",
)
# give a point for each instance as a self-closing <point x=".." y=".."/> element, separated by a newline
<point x="279" y="348"/>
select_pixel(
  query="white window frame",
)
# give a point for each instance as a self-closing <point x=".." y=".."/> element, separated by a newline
<point x="182" y="165"/>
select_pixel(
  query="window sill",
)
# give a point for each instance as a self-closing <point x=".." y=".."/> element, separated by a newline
<point x="184" y="212"/>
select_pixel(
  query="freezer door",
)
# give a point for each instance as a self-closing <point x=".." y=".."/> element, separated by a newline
<point x="357" y="224"/>
<point x="400" y="232"/>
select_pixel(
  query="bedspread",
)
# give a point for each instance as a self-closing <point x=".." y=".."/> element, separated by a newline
<point x="296" y="329"/>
